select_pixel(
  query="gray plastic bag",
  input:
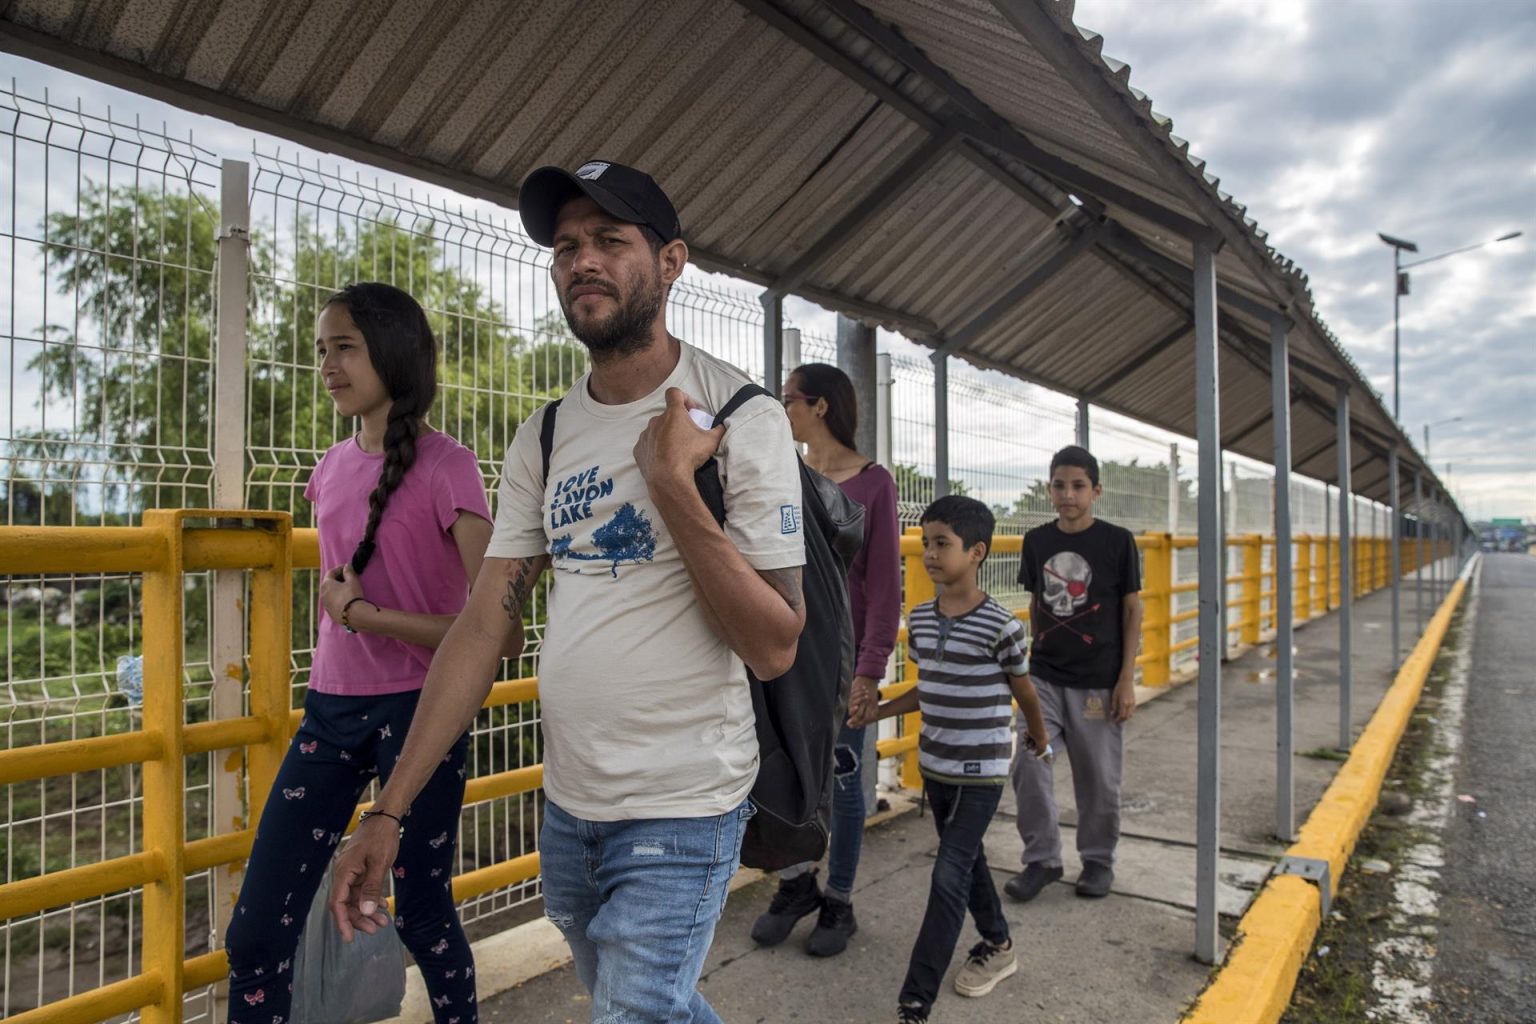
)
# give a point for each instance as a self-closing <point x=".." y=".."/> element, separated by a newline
<point x="336" y="982"/>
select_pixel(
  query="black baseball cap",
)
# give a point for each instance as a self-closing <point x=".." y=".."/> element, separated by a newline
<point x="623" y="191"/>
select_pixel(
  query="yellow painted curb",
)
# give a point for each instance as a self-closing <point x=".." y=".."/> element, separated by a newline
<point x="1255" y="983"/>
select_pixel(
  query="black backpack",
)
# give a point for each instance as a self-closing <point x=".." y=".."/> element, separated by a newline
<point x="800" y="713"/>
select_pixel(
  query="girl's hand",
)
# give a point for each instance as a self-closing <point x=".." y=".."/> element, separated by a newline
<point x="865" y="693"/>
<point x="867" y="714"/>
<point x="337" y="587"/>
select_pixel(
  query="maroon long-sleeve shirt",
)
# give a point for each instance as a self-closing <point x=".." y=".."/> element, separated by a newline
<point x="874" y="579"/>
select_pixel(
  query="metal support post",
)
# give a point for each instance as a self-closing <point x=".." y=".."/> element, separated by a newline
<point x="773" y="341"/>
<point x="1395" y="538"/>
<point x="940" y="424"/>
<point x="1213" y="594"/>
<point x="1346" y="567"/>
<point x="1082" y="422"/>
<point x="1418" y="553"/>
<point x="884" y="384"/>
<point x="227" y="622"/>
<point x="1327" y="604"/>
<point x="1173" y="490"/>
<point x="1225" y="529"/>
<point x="856" y="358"/>
<point x="1285" y="589"/>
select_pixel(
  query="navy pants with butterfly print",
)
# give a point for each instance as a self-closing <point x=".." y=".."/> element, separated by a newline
<point x="341" y="745"/>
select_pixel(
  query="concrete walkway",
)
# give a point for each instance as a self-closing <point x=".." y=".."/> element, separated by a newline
<point x="1126" y="958"/>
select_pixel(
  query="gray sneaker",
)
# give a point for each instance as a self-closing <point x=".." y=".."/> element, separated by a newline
<point x="985" y="965"/>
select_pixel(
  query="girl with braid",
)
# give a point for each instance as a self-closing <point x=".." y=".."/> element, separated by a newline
<point x="404" y="524"/>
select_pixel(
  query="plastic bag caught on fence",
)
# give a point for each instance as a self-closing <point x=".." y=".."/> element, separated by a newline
<point x="337" y="982"/>
<point x="130" y="677"/>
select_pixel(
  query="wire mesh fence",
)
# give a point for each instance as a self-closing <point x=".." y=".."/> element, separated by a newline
<point x="109" y="326"/>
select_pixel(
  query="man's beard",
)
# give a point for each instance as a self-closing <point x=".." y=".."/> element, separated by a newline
<point x="627" y="330"/>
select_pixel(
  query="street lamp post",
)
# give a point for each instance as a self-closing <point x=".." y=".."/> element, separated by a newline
<point x="1400" y="288"/>
<point x="1437" y="423"/>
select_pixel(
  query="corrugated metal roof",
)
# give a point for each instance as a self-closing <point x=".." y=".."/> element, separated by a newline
<point x="772" y="122"/>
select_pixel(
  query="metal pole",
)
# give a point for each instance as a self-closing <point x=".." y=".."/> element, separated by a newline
<point x="1212" y="592"/>
<point x="1227" y="528"/>
<point x="1082" y="423"/>
<point x="1285" y="589"/>
<point x="773" y="341"/>
<point x="1346" y="583"/>
<point x="884" y="383"/>
<point x="1396" y="539"/>
<point x="1397" y="272"/>
<point x="856" y="357"/>
<point x="1327" y="546"/>
<point x="1418" y="550"/>
<point x="940" y="424"/>
<point x="1173" y="491"/>
<point x="227" y="639"/>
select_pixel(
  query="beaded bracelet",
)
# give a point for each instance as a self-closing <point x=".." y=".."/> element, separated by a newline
<point x="346" y="621"/>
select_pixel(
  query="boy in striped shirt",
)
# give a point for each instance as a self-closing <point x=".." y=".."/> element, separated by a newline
<point x="970" y="654"/>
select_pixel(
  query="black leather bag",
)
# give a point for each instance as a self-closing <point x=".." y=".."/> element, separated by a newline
<point x="799" y="714"/>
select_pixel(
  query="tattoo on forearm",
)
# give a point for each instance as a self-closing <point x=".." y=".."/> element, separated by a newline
<point x="517" y="591"/>
<point x="786" y="582"/>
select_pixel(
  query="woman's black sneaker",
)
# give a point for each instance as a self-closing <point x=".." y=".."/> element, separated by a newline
<point x="796" y="898"/>
<point x="834" y="927"/>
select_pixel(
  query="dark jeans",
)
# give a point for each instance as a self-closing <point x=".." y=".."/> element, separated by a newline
<point x="848" y="811"/>
<point x="960" y="881"/>
<point x="341" y="745"/>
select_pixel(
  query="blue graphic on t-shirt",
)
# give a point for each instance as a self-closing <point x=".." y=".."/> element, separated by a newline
<point x="626" y="538"/>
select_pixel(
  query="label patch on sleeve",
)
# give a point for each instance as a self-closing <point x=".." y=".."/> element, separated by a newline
<point x="789" y="519"/>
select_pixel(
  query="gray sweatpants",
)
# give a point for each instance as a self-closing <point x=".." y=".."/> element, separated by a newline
<point x="1079" y="722"/>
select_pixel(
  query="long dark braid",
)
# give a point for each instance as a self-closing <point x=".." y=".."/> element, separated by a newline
<point x="404" y="355"/>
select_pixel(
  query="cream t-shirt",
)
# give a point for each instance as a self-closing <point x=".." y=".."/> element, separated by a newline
<point x="646" y="712"/>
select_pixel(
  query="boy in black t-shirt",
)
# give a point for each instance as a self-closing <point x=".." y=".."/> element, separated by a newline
<point x="1083" y="575"/>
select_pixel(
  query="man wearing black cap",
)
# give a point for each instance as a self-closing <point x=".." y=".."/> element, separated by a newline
<point x="653" y="614"/>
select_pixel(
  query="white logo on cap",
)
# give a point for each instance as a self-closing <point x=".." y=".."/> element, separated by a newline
<point x="591" y="171"/>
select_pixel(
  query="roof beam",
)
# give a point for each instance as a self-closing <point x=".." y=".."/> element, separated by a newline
<point x="1118" y="238"/>
<point x="875" y="202"/>
<point x="985" y="125"/>
<point x="1018" y="293"/>
<point x="1040" y="22"/>
<point x="1315" y="452"/>
<point x="1233" y="440"/>
<point x="1141" y="359"/>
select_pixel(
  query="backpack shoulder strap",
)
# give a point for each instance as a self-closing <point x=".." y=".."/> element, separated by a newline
<point x="547" y="435"/>
<point x="740" y="398"/>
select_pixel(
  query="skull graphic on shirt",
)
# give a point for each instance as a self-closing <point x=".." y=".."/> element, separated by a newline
<point x="1067" y="576"/>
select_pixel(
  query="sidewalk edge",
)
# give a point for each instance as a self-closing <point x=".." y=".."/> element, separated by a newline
<point x="1255" y="983"/>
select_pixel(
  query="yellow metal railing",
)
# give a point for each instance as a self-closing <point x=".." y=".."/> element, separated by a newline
<point x="172" y="543"/>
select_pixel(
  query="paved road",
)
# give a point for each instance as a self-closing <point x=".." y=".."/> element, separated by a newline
<point x="1486" y="964"/>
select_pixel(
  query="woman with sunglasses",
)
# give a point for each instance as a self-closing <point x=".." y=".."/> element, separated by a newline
<point x="823" y="414"/>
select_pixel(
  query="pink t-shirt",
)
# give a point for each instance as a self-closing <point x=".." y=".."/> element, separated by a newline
<point x="415" y="567"/>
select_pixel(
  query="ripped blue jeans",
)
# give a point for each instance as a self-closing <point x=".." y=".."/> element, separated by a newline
<point x="848" y="812"/>
<point x="637" y="901"/>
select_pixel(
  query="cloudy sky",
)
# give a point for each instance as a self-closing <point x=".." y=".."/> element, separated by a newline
<point x="1332" y="120"/>
<point x="1335" y="119"/>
